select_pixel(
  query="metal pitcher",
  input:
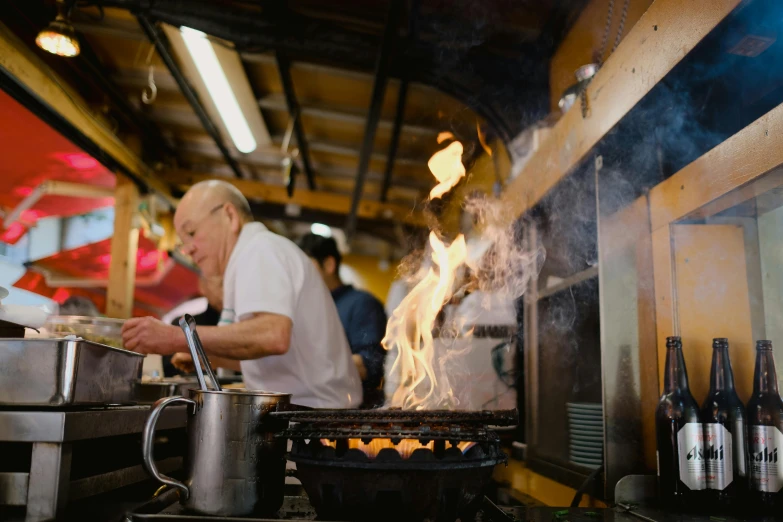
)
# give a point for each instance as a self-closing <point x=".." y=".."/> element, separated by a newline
<point x="234" y="465"/>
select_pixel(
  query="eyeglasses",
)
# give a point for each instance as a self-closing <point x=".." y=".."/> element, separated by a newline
<point x="190" y="234"/>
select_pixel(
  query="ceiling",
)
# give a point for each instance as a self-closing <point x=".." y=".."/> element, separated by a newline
<point x="467" y="65"/>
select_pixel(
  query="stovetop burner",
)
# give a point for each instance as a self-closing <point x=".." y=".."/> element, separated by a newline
<point x="395" y="464"/>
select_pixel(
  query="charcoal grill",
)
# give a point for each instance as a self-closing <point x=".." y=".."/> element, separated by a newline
<point x="443" y="481"/>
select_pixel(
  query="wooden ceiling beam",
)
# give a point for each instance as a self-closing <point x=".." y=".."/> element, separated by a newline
<point x="337" y="203"/>
<point x="668" y="31"/>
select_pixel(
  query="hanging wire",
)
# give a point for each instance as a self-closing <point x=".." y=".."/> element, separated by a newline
<point x="599" y="57"/>
<point x="620" y="29"/>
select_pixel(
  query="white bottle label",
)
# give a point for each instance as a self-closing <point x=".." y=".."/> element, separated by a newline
<point x="766" y="444"/>
<point x="718" y="456"/>
<point x="690" y="445"/>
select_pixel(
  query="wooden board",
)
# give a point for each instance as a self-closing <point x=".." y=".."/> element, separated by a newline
<point x="659" y="41"/>
<point x="124" y="245"/>
<point x="306" y="198"/>
<point x="707" y="185"/>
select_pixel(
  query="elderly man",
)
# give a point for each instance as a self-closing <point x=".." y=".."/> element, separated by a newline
<point x="278" y="322"/>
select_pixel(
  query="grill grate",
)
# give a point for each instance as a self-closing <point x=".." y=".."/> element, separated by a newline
<point x="425" y="426"/>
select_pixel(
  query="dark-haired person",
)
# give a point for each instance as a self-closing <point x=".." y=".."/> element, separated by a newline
<point x="278" y="323"/>
<point x="361" y="314"/>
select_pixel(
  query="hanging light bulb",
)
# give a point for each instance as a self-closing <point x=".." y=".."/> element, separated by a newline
<point x="59" y="37"/>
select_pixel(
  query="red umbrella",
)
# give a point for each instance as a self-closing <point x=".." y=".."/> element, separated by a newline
<point x="161" y="282"/>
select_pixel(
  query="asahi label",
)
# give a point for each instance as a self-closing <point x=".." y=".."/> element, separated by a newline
<point x="690" y="445"/>
<point x="766" y="472"/>
<point x="718" y="456"/>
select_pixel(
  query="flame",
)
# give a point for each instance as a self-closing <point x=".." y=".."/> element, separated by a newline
<point x="443" y="136"/>
<point x="423" y="380"/>
<point x="410" y="328"/>
<point x="405" y="448"/>
<point x="483" y="140"/>
<point x="446" y="165"/>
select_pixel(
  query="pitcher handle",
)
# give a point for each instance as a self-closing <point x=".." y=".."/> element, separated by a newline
<point x="148" y="437"/>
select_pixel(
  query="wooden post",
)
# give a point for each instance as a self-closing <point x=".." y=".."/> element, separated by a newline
<point x="124" y="244"/>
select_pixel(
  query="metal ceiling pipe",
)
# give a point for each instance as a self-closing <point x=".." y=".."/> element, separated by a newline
<point x="161" y="45"/>
<point x="399" y="116"/>
<point x="395" y="139"/>
<point x="284" y="68"/>
<point x="376" y="103"/>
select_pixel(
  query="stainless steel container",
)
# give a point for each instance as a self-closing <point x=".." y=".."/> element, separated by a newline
<point x="57" y="372"/>
<point x="234" y="466"/>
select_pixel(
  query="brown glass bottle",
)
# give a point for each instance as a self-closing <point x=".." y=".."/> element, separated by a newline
<point x="765" y="434"/>
<point x="725" y="435"/>
<point x="681" y="475"/>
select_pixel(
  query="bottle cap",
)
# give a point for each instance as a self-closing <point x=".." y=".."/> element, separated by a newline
<point x="720" y="341"/>
<point x="673" y="341"/>
<point x="763" y="344"/>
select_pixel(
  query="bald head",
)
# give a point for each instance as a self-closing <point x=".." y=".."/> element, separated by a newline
<point x="208" y="221"/>
<point x="214" y="192"/>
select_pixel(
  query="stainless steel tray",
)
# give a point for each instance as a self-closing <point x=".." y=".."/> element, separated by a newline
<point x="61" y="372"/>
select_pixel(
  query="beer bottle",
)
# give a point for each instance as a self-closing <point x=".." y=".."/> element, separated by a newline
<point x="724" y="421"/>
<point x="765" y="437"/>
<point x="681" y="470"/>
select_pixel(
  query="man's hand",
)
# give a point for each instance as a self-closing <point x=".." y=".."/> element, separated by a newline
<point x="149" y="335"/>
<point x="183" y="362"/>
<point x="359" y="362"/>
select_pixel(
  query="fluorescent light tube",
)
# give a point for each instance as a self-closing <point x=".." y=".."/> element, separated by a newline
<point x="200" y="49"/>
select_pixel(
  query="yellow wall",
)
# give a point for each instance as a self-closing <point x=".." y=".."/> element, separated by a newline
<point x="373" y="279"/>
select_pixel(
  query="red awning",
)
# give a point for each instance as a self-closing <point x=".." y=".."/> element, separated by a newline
<point x="31" y="152"/>
<point x="161" y="283"/>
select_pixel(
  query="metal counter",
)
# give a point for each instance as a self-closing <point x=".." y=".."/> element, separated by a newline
<point x="47" y="486"/>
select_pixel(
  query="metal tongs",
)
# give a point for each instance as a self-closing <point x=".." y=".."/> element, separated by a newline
<point x="188" y="325"/>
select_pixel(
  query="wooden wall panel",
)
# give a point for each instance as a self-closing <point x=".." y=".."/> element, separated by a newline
<point x="713" y="301"/>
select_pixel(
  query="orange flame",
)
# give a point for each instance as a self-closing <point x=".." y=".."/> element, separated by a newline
<point x="443" y="136"/>
<point x="446" y="165"/>
<point x="410" y="329"/>
<point x="405" y="448"/>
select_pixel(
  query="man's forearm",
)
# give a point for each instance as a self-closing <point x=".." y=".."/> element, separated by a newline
<point x="259" y="336"/>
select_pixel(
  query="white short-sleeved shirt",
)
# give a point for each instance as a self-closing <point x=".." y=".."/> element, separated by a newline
<point x="268" y="273"/>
